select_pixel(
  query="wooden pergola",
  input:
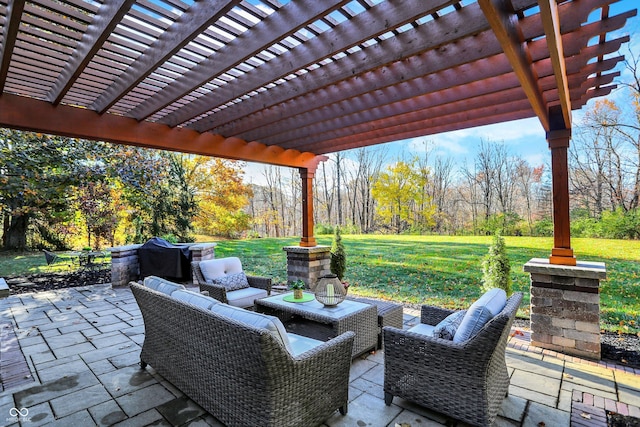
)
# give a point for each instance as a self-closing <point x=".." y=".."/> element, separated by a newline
<point x="286" y="82"/>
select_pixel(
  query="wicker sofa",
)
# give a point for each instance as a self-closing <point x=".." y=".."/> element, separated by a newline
<point x="465" y="380"/>
<point x="205" y="273"/>
<point x="236" y="368"/>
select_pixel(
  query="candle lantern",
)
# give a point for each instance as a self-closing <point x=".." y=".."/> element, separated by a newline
<point x="329" y="290"/>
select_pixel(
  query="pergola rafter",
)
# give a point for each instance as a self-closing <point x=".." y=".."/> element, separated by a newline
<point x="284" y="84"/>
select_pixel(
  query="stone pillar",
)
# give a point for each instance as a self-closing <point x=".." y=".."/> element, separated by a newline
<point x="565" y="306"/>
<point x="307" y="263"/>
<point x="203" y="251"/>
<point x="124" y="265"/>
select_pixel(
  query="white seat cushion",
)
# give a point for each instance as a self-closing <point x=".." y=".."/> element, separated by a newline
<point x="245" y="297"/>
<point x="195" y="298"/>
<point x="300" y="344"/>
<point x="480" y="312"/>
<point x="423" y="329"/>
<point x="271" y="323"/>
<point x="162" y="285"/>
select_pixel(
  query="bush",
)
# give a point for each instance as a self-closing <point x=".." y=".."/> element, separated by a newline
<point x="320" y="229"/>
<point x="543" y="228"/>
<point x="338" y="264"/>
<point x="496" y="268"/>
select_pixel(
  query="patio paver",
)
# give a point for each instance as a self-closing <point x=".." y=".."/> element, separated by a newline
<point x="69" y="357"/>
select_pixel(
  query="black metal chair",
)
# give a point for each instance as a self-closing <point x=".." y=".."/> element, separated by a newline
<point x="53" y="258"/>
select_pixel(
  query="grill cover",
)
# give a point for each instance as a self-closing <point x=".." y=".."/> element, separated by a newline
<point x="157" y="257"/>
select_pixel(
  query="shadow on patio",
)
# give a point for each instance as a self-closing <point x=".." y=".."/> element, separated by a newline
<point x="70" y="357"/>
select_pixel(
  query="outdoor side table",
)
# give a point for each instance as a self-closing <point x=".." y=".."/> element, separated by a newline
<point x="315" y="320"/>
<point x="389" y="314"/>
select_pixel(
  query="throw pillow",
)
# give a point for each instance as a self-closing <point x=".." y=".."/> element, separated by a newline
<point x="447" y="328"/>
<point x="232" y="282"/>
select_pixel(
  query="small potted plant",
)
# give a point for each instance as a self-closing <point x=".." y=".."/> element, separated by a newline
<point x="297" y="287"/>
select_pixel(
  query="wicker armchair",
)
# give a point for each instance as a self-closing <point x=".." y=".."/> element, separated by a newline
<point x="220" y="293"/>
<point x="466" y="381"/>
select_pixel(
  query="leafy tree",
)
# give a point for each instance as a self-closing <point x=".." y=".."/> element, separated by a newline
<point x="38" y="176"/>
<point x="496" y="268"/>
<point x="98" y="205"/>
<point x="157" y="187"/>
<point x="338" y="263"/>
<point x="401" y="200"/>
<point x="221" y="196"/>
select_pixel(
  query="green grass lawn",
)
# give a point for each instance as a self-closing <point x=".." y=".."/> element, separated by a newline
<point x="446" y="270"/>
<point x="438" y="270"/>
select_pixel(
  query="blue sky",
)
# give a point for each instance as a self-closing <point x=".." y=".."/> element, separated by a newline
<point x="525" y="138"/>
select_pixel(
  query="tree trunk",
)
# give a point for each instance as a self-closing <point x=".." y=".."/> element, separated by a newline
<point x="15" y="236"/>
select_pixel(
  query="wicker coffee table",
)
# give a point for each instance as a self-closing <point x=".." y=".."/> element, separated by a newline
<point x="314" y="320"/>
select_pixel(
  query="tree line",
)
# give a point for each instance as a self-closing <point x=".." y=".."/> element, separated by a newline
<point x="364" y="191"/>
<point x="62" y="193"/>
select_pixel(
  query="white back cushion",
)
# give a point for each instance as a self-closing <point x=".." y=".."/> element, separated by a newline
<point x="271" y="323"/>
<point x="480" y="312"/>
<point x="194" y="298"/>
<point x="217" y="267"/>
<point x="162" y="285"/>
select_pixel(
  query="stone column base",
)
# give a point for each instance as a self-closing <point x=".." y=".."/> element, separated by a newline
<point x="565" y="306"/>
<point x="307" y="264"/>
<point x="124" y="265"/>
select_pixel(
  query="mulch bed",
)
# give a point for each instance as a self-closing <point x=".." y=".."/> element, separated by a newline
<point x="51" y="281"/>
<point x="620" y="348"/>
<point x="618" y="420"/>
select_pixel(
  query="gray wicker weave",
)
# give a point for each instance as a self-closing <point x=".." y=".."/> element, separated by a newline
<point x="239" y="373"/>
<point x="466" y="381"/>
<point x="331" y="321"/>
<point x="219" y="292"/>
<point x="389" y="314"/>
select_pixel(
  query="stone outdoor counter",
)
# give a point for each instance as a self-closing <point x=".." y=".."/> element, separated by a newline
<point x="125" y="266"/>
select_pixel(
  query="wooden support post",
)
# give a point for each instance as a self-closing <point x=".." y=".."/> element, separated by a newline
<point x="307" y="239"/>
<point x="559" y="143"/>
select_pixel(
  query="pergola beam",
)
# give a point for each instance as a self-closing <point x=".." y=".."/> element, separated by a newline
<point x="103" y="24"/>
<point x="551" y="22"/>
<point x="335" y="117"/>
<point x="291" y="17"/>
<point x="17" y="112"/>
<point x="187" y="27"/>
<point x="9" y="35"/>
<point x="326" y="86"/>
<point x="437" y="121"/>
<point x="359" y="29"/>
<point x="506" y="29"/>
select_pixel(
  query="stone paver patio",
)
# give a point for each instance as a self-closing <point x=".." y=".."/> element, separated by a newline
<point x="70" y="358"/>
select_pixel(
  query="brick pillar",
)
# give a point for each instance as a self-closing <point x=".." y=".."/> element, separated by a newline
<point x="124" y="265"/>
<point x="307" y="263"/>
<point x="565" y="306"/>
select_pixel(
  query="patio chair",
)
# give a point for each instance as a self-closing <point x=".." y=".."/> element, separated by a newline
<point x="226" y="281"/>
<point x="465" y="380"/>
<point x="53" y="258"/>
